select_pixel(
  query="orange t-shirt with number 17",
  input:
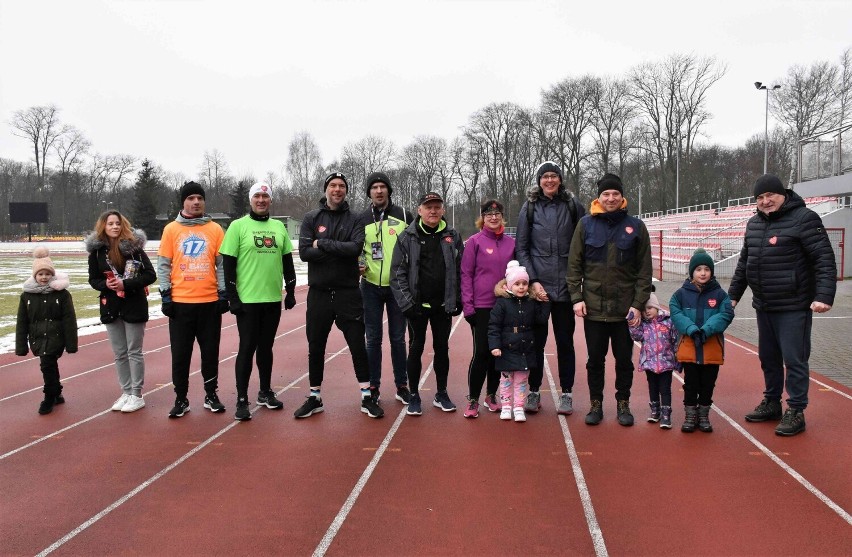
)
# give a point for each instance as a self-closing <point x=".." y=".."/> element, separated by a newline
<point x="193" y="251"/>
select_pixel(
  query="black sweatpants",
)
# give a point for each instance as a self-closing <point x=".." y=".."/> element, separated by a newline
<point x="257" y="326"/>
<point x="482" y="362"/>
<point x="191" y="322"/>
<point x="441" y="323"/>
<point x="50" y="373"/>
<point x="599" y="334"/>
<point x="699" y="381"/>
<point x="342" y="307"/>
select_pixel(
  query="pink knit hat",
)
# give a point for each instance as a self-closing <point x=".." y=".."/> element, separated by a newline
<point x="514" y="273"/>
<point x="42" y="261"/>
<point x="653" y="302"/>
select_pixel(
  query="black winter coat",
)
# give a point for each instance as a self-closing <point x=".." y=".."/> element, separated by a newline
<point x="787" y="260"/>
<point x="339" y="234"/>
<point x="133" y="307"/>
<point x="46" y="319"/>
<point x="510" y="329"/>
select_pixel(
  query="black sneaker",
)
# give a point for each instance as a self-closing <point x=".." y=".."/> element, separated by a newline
<point x="765" y="411"/>
<point x="371" y="407"/>
<point x="442" y="401"/>
<point x="268" y="399"/>
<point x="792" y="423"/>
<point x="375" y="394"/>
<point x="414" y="407"/>
<point x="595" y="414"/>
<point x="180" y="408"/>
<point x="46" y="406"/>
<point x="403" y="394"/>
<point x="311" y="406"/>
<point x="624" y="416"/>
<point x="242" y="412"/>
<point x="211" y="402"/>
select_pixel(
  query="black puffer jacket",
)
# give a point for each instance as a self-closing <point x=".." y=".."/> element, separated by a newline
<point x="339" y="233"/>
<point x="133" y="307"/>
<point x="46" y="318"/>
<point x="510" y="329"/>
<point x="787" y="260"/>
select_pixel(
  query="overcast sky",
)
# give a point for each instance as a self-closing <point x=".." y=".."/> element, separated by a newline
<point x="169" y="80"/>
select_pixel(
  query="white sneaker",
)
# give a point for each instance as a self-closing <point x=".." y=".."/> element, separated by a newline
<point x="133" y="404"/>
<point x="506" y="413"/>
<point x="519" y="415"/>
<point x="119" y="404"/>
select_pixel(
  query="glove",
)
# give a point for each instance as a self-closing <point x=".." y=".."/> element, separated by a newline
<point x="222" y="303"/>
<point x="413" y="312"/>
<point x="237" y="307"/>
<point x="290" y="300"/>
<point x="456" y="311"/>
<point x="168" y="309"/>
<point x="698" y="337"/>
<point x="471" y="319"/>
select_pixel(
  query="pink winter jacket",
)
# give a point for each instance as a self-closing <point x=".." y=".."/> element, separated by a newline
<point x="659" y="344"/>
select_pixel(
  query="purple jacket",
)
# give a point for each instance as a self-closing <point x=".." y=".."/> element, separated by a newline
<point x="483" y="265"/>
<point x="659" y="344"/>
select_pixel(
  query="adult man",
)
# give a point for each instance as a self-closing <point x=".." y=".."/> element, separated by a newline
<point x="256" y="253"/>
<point x="609" y="280"/>
<point x="425" y="280"/>
<point x="330" y="240"/>
<point x="192" y="286"/>
<point x="788" y="262"/>
<point x="545" y="227"/>
<point x="383" y="222"/>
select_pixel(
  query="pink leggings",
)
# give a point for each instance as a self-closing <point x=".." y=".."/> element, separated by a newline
<point x="513" y="382"/>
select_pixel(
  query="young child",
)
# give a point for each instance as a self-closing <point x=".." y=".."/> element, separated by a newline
<point x="46" y="319"/>
<point x="511" y="339"/>
<point x="657" y="358"/>
<point x="701" y="311"/>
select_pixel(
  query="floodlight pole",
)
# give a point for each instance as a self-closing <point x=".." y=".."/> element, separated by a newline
<point x="760" y="87"/>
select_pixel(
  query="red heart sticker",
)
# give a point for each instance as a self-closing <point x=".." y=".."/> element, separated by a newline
<point x="711" y="303"/>
<point x="489" y="251"/>
<point x="321" y="229"/>
<point x="628" y="229"/>
<point x="773" y="240"/>
<point x="392" y="231"/>
<point x="448" y="239"/>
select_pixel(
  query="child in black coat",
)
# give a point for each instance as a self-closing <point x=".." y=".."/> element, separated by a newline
<point x="46" y="320"/>
<point x="512" y="341"/>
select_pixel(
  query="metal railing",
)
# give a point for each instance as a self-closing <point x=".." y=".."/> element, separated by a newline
<point x="825" y="154"/>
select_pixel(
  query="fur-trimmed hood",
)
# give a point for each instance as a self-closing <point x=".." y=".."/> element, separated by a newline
<point x="126" y="247"/>
<point x="58" y="281"/>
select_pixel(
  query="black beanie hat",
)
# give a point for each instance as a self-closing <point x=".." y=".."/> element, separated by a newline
<point x="331" y="177"/>
<point x="610" y="182"/>
<point x="491" y="206"/>
<point x="768" y="183"/>
<point x="190" y="188"/>
<point x="544" y="168"/>
<point x="701" y="257"/>
<point x="377" y="177"/>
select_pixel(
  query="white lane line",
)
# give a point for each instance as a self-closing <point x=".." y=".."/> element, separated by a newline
<point x="579" y="478"/>
<point x="784" y="466"/>
<point x="79" y="529"/>
<point x="338" y="521"/>
<point x="108" y="410"/>
<point x="829" y="387"/>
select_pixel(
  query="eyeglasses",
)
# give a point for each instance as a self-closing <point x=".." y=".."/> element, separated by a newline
<point x="550" y="176"/>
<point x="492" y="215"/>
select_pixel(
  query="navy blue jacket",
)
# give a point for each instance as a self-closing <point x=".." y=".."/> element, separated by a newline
<point x="510" y="329"/>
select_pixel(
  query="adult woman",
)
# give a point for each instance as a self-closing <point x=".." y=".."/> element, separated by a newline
<point x="483" y="265"/>
<point x="120" y="270"/>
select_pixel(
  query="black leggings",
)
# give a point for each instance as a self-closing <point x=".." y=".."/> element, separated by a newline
<point x="562" y="315"/>
<point x="344" y="308"/>
<point x="660" y="387"/>
<point x="257" y="326"/>
<point x="482" y="362"/>
<point x="50" y="373"/>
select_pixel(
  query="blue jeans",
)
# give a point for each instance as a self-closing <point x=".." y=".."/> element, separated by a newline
<point x="784" y="339"/>
<point x="376" y="299"/>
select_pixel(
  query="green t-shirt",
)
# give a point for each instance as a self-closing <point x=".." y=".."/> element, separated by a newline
<point x="258" y="247"/>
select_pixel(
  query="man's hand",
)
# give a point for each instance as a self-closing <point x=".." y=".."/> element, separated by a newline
<point x="167" y="308"/>
<point x="237" y="307"/>
<point x="290" y="300"/>
<point x="634" y="317"/>
<point x="496" y="353"/>
<point x="456" y="311"/>
<point x="222" y="302"/>
<point x="539" y="292"/>
<point x="819" y="307"/>
<point x="580" y="309"/>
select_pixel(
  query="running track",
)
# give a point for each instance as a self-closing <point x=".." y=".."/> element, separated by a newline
<point x="87" y="481"/>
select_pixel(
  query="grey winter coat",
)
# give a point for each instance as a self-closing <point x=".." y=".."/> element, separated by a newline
<point x="543" y="245"/>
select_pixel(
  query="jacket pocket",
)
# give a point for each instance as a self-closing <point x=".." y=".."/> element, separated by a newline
<point x="596" y="249"/>
<point x="626" y="250"/>
<point x="108" y="313"/>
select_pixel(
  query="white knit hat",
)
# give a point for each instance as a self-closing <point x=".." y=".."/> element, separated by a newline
<point x="260" y="187"/>
<point x="514" y="273"/>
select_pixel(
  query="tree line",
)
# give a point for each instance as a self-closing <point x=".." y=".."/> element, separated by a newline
<point x="648" y="126"/>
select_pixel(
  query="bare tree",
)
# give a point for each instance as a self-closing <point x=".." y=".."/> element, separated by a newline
<point x="41" y="126"/>
<point x="613" y="114"/>
<point x="844" y="88"/>
<point x="70" y="149"/>
<point x="426" y="157"/>
<point x="214" y="172"/>
<point x="360" y="158"/>
<point x="305" y="170"/>
<point x="807" y="101"/>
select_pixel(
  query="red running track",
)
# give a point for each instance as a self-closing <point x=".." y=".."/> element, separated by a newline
<point x="87" y="481"/>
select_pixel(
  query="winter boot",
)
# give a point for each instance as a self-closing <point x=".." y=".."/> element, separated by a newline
<point x="666" y="417"/>
<point x="654" y="417"/>
<point x="704" y="419"/>
<point x="691" y="419"/>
